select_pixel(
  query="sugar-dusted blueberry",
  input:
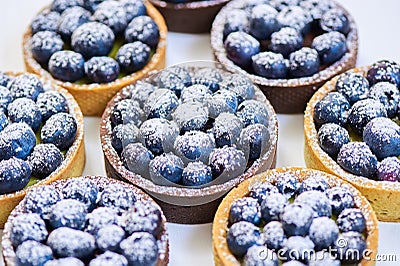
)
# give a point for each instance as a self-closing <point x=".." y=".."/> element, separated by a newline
<point x="126" y="111"/>
<point x="44" y="44"/>
<point x="353" y="86"/>
<point x="316" y="7"/>
<point x="67" y="65"/>
<point x="61" y="5"/>
<point x="362" y="112"/>
<point x="133" y="56"/>
<point x="175" y="79"/>
<point x="272" y="207"/>
<point x="226" y="129"/>
<point x="254" y="141"/>
<point x="260" y="255"/>
<point x="298" y="248"/>
<point x="295" y="17"/>
<point x="287" y="184"/>
<point x="330" y="46"/>
<point x="384" y="70"/>
<point x="270" y="65"/>
<point x="285" y="41"/>
<point x="31" y="253"/>
<point x="274" y="235"/>
<point x="331" y="137"/>
<point x="241" y="236"/>
<point x="357" y="158"/>
<point x="122" y="135"/>
<point x="318" y="202"/>
<point x="340" y="198"/>
<point x="141" y="90"/>
<point x="196" y="92"/>
<point x="45" y="159"/>
<point x="91" y="5"/>
<point x="351" y="219"/>
<point x="112" y="14"/>
<point x="304" y="62"/>
<point x="5" y="81"/>
<point x="168" y="166"/>
<point x="143" y="29"/>
<point x="263" y="22"/>
<point x="332" y="108"/>
<point x="27" y="226"/>
<point x="161" y="103"/>
<point x="50" y="103"/>
<point x="99" y="218"/>
<point x="196" y="174"/>
<point x="109" y="258"/>
<point x="323" y="232"/>
<point x="239" y="84"/>
<point x="70" y="20"/>
<point x="109" y="237"/>
<point x="133" y="8"/>
<point x="40" y="200"/>
<point x="140" y="249"/>
<point x="101" y="69"/>
<point x="68" y="242"/>
<point x="262" y="190"/>
<point x="335" y="20"/>
<point x="3" y="120"/>
<point x="227" y="162"/>
<point x="24" y="110"/>
<point x="209" y="77"/>
<point x="191" y="115"/>
<point x="136" y="158"/>
<point x="69" y="213"/>
<point x="315" y="182"/>
<point x="222" y="101"/>
<point x="296" y="219"/>
<point x="240" y="47"/>
<point x="237" y="20"/>
<point x="245" y="209"/>
<point x="26" y="85"/>
<point x="16" y="139"/>
<point x="253" y="112"/>
<point x="60" y="129"/>
<point x="46" y="20"/>
<point x="117" y="196"/>
<point x="194" y="146"/>
<point x="389" y="169"/>
<point x="5" y="98"/>
<point x="68" y="261"/>
<point x="388" y="94"/>
<point x="351" y="252"/>
<point x="81" y="189"/>
<point x="92" y="39"/>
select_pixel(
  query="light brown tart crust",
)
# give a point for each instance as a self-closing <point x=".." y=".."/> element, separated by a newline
<point x="222" y="254"/>
<point x="101" y="182"/>
<point x="287" y="96"/>
<point x="181" y="204"/>
<point x="384" y="196"/>
<point x="93" y="98"/>
<point x="72" y="165"/>
<point x="190" y="17"/>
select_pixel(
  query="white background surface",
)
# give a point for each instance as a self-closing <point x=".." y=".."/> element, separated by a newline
<point x="379" y="38"/>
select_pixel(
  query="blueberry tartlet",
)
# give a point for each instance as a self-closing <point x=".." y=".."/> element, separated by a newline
<point x="187" y="135"/>
<point x="95" y="48"/>
<point x="288" y="48"/>
<point x="41" y="136"/>
<point x="352" y="130"/>
<point x="295" y="216"/>
<point x="88" y="220"/>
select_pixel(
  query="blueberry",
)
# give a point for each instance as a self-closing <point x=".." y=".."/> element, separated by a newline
<point x="262" y="190"/>
<point x="194" y="146"/>
<point x="272" y="207"/>
<point x="91" y="5"/>
<point x="236" y="21"/>
<point x="240" y="47"/>
<point x="323" y="258"/>
<point x="227" y="162"/>
<point x="113" y="15"/>
<point x="196" y="174"/>
<point x="100" y="218"/>
<point x="5" y="98"/>
<point x="143" y="29"/>
<point x="222" y="101"/>
<point x="141" y="90"/>
<point x="140" y="249"/>
<point x="316" y="182"/>
<point x="69" y="261"/>
<point x="260" y="256"/>
<point x="353" y="86"/>
<point x="70" y="20"/>
<point x="101" y="69"/>
<point x="25" y="110"/>
<point x="190" y="116"/>
<point x="304" y="62"/>
<point x="40" y="200"/>
<point x="196" y="92"/>
<point x="388" y="94"/>
<point x="16" y="139"/>
<point x="330" y="46"/>
<point x="175" y="79"/>
<point x="68" y="242"/>
<point x="287" y="184"/>
<point x="92" y="39"/>
<point x="226" y="129"/>
<point x="389" y="169"/>
<point x="245" y="209"/>
<point x="27" y="226"/>
<point x="46" y="20"/>
<point x="68" y="213"/>
<point x="81" y="189"/>
<point x="316" y="8"/>
<point x="44" y="44"/>
<point x="209" y="77"/>
<point x="382" y="135"/>
<point x="317" y="200"/>
<point x="3" y="120"/>
<point x="296" y="219"/>
<point x="335" y="20"/>
<point x="285" y="41"/>
<point x="61" y="5"/>
<point x="351" y="219"/>
<point x="253" y="112"/>
<point x="67" y="65"/>
<point x="115" y="195"/>
<point x="363" y="112"/>
<point x="44" y="160"/>
<point x="263" y="22"/>
<point x="136" y="158"/>
<point x="332" y="108"/>
<point x="384" y="70"/>
<point x="274" y="235"/>
<point x="50" y="103"/>
<point x="26" y="85"/>
<point x="126" y="111"/>
<point x="298" y="248"/>
<point x="331" y="137"/>
<point x="109" y="258"/>
<point x="168" y="166"/>
<point x="161" y="103"/>
<point x="239" y="84"/>
<point x="109" y="237"/>
<point x="352" y="251"/>
<point x="60" y="129"/>
<point x="32" y="253"/>
<point x="341" y="198"/>
<point x="241" y="236"/>
<point x="5" y="80"/>
<point x="254" y="141"/>
<point x="295" y="17"/>
<point x="323" y="232"/>
<point x="269" y="65"/>
<point x="357" y="158"/>
<point x="134" y="8"/>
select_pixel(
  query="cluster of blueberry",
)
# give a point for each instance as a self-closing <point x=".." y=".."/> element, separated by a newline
<point x="294" y="222"/>
<point x="359" y="122"/>
<point x="35" y="128"/>
<point x="98" y="40"/>
<point x="190" y="128"/>
<point x="83" y="223"/>
<point x="285" y="39"/>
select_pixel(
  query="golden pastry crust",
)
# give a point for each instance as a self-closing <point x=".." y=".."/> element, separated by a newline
<point x="93" y="98"/>
<point x="74" y="159"/>
<point x="222" y="254"/>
